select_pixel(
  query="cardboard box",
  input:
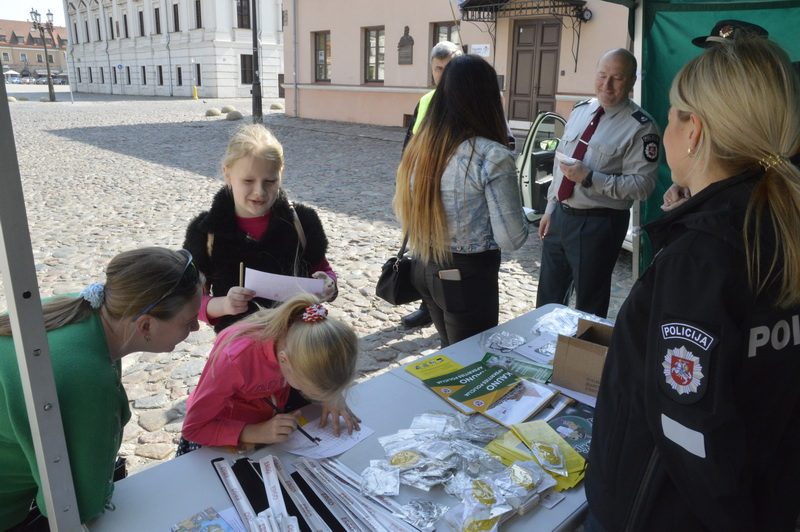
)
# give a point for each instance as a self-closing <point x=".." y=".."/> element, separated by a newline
<point x="578" y="364"/>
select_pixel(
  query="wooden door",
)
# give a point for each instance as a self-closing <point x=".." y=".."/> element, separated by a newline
<point x="534" y="68"/>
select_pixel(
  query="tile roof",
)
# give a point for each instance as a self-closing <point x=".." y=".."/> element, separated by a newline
<point x="21" y="28"/>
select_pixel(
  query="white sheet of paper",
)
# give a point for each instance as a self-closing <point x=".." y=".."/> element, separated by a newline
<point x="232" y="518"/>
<point x="280" y="287"/>
<point x="541" y="349"/>
<point x="578" y="396"/>
<point x="329" y="445"/>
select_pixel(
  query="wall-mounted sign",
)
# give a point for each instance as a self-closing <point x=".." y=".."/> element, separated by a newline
<point x="483" y="50"/>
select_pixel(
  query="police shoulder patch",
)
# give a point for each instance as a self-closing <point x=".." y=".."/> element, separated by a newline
<point x="641" y="117"/>
<point x="686" y="360"/>
<point x="650" y="145"/>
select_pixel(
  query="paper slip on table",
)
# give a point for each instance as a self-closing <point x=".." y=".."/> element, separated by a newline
<point x="159" y="497"/>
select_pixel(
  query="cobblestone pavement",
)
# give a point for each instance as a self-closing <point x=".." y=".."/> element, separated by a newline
<point x="104" y="175"/>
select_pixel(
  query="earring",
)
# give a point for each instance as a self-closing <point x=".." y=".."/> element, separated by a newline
<point x="690" y="153"/>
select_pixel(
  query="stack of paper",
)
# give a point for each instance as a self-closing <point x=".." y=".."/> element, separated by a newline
<point x="492" y="391"/>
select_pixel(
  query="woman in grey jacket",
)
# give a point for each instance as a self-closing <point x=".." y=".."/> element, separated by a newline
<point x="457" y="198"/>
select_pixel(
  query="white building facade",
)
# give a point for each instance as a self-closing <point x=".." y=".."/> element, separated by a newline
<point x="166" y="47"/>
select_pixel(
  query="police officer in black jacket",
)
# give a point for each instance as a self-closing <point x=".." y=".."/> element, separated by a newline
<point x="698" y="413"/>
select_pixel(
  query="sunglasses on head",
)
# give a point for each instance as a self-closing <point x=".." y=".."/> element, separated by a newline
<point x="175" y="285"/>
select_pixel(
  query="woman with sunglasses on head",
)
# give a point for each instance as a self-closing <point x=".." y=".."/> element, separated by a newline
<point x="458" y="200"/>
<point x="149" y="302"/>
<point x="698" y="409"/>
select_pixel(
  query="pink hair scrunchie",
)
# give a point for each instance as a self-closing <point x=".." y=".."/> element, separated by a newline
<point x="314" y="313"/>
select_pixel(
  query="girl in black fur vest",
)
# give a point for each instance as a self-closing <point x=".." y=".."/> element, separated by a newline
<point x="251" y="222"/>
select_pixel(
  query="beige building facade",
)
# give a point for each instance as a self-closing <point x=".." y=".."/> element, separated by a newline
<point x="353" y="61"/>
<point x="22" y="50"/>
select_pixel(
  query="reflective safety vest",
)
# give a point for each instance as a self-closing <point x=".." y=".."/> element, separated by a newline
<point x="422" y="109"/>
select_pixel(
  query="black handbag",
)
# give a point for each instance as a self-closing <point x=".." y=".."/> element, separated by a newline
<point x="394" y="285"/>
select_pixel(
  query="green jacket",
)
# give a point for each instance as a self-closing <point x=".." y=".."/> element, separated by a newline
<point x="94" y="409"/>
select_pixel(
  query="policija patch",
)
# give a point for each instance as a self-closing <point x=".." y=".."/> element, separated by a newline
<point x="650" y="147"/>
<point x="685" y="365"/>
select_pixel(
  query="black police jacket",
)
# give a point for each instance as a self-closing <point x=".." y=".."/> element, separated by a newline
<point x="277" y="251"/>
<point x="697" y="425"/>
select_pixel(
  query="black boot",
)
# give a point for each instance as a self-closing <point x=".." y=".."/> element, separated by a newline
<point x="419" y="318"/>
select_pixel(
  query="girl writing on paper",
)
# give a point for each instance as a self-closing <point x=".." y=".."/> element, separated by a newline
<point x="255" y="364"/>
<point x="251" y="222"/>
<point x="458" y="200"/>
<point x="149" y="302"/>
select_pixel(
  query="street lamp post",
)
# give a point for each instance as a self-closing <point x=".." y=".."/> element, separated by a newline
<point x="36" y="19"/>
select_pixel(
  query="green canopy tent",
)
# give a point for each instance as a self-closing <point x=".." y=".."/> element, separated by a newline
<point x="666" y="29"/>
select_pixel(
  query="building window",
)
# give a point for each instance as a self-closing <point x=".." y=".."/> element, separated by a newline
<point x="373" y="54"/>
<point x="176" y="25"/>
<point x="243" y="14"/>
<point x="180" y="76"/>
<point x="111" y="29"/>
<point x="198" y="14"/>
<point x="157" y="17"/>
<point x="322" y="56"/>
<point x="247" y="68"/>
<point x="102" y="76"/>
<point x="50" y="58"/>
<point x="75" y="32"/>
<point x="160" y="71"/>
<point x="2" y="38"/>
<point x="141" y="23"/>
<point x="23" y="57"/>
<point x="39" y="58"/>
<point x="97" y="23"/>
<point x="114" y="75"/>
<point x="197" y="79"/>
<point x="6" y="58"/>
<point x="125" y="24"/>
<point x="79" y="75"/>
<point x="144" y="76"/>
<point x="86" y="27"/>
<point x="91" y="78"/>
<point x="128" y="75"/>
<point x="446" y="31"/>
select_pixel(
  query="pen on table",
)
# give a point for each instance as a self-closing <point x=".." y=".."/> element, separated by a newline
<point x="241" y="274"/>
<point x="277" y="410"/>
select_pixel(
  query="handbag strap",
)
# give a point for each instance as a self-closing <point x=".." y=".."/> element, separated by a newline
<point x="403" y="247"/>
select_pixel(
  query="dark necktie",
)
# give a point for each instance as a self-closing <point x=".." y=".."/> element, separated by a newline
<point x="567" y="187"/>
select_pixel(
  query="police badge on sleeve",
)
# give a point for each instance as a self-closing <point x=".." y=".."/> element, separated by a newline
<point x="686" y="360"/>
<point x="650" y="147"/>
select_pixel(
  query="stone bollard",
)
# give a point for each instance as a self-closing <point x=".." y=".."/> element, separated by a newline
<point x="228" y="109"/>
<point x="213" y="112"/>
<point x="276" y="107"/>
<point x="11" y="99"/>
<point x="234" y="115"/>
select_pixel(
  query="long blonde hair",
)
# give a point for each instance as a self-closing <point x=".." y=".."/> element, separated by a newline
<point x="255" y="140"/>
<point x="466" y="104"/>
<point x="324" y="352"/>
<point x="134" y="280"/>
<point x="745" y="93"/>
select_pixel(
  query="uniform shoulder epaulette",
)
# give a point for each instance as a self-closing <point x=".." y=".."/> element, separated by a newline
<point x="582" y="102"/>
<point x="641" y="117"/>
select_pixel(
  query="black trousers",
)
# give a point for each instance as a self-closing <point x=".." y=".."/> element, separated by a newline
<point x="461" y="308"/>
<point x="580" y="251"/>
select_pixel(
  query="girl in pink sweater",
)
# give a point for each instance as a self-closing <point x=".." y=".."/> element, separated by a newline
<point x="257" y="362"/>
